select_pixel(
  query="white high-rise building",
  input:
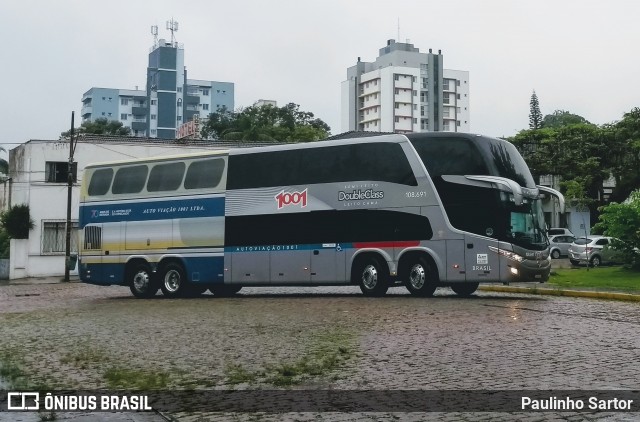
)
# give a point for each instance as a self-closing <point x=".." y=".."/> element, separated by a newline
<point x="405" y="91"/>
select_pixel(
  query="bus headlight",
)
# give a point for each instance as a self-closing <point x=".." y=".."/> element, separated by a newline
<point x="507" y="254"/>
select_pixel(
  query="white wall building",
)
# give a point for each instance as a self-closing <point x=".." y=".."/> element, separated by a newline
<point x="38" y="172"/>
<point x="405" y="91"/>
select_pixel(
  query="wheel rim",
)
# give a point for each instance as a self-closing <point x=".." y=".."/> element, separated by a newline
<point x="141" y="281"/>
<point x="370" y="276"/>
<point x="555" y="254"/>
<point x="172" y="281"/>
<point x="595" y="262"/>
<point x="417" y="276"/>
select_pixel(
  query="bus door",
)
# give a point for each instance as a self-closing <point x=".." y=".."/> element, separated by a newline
<point x="327" y="263"/>
<point x="482" y="264"/>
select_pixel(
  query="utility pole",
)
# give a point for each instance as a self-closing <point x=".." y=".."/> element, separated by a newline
<point x="67" y="261"/>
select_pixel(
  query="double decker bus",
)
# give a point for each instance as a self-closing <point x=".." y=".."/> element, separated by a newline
<point x="423" y="210"/>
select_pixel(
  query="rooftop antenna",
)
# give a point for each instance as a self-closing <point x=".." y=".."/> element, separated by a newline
<point x="154" y="32"/>
<point x="173" y="27"/>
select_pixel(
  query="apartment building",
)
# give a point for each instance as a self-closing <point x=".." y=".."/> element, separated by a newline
<point x="169" y="99"/>
<point x="405" y="90"/>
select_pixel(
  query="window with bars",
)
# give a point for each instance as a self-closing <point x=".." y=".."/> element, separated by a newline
<point x="54" y="237"/>
<point x="58" y="171"/>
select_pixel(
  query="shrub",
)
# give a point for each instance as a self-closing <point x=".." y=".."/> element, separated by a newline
<point x="17" y="221"/>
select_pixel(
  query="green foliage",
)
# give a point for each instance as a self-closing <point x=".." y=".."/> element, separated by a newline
<point x="561" y="118"/>
<point x="4" y="243"/>
<point x="265" y="124"/>
<point x="622" y="221"/>
<point x="535" y="116"/>
<point x="613" y="278"/>
<point x="17" y="221"/>
<point x="100" y="126"/>
<point x="4" y="165"/>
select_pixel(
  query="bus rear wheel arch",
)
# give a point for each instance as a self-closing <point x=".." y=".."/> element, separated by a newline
<point x="417" y="270"/>
<point x="140" y="279"/>
<point x="173" y="280"/>
<point x="371" y="273"/>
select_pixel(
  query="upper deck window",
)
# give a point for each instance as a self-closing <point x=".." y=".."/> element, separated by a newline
<point x="204" y="174"/>
<point x="100" y="181"/>
<point x="130" y="179"/>
<point x="165" y="177"/>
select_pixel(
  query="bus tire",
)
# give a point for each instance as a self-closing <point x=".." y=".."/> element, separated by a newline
<point x="464" y="289"/>
<point x="173" y="280"/>
<point x="418" y="277"/>
<point x="141" y="282"/>
<point x="224" y="290"/>
<point x="372" y="276"/>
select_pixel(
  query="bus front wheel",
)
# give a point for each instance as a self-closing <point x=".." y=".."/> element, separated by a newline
<point x="372" y="276"/>
<point x="418" y="278"/>
<point x="141" y="282"/>
<point x="173" y="280"/>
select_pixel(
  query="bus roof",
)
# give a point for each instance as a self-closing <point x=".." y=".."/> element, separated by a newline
<point x="160" y="158"/>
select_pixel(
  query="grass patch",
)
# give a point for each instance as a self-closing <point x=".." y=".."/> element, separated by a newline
<point x="84" y="358"/>
<point x="327" y="352"/>
<point x="600" y="278"/>
<point x="11" y="370"/>
<point x="135" y="379"/>
<point x="237" y="374"/>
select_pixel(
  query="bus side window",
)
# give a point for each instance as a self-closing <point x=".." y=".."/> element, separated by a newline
<point x="100" y="182"/>
<point x="204" y="174"/>
<point x="165" y="177"/>
<point x="129" y="179"/>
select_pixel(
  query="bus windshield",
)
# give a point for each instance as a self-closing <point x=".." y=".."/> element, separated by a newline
<point x="526" y="224"/>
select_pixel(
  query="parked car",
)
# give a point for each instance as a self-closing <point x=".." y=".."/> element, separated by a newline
<point x="556" y="231"/>
<point x="559" y="245"/>
<point x="591" y="250"/>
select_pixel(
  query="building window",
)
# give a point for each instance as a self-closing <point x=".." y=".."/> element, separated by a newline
<point x="397" y="105"/>
<point x="153" y="117"/>
<point x="154" y="102"/>
<point x="123" y="116"/>
<point x="109" y="114"/>
<point x="54" y="237"/>
<point x="124" y="101"/>
<point x="179" y="118"/>
<point x="396" y="77"/>
<point x="397" y="119"/>
<point x="103" y="113"/>
<point x="205" y="106"/>
<point x="58" y="171"/>
<point x="415" y="121"/>
<point x="397" y="91"/>
<point x="458" y="96"/>
<point x="179" y="89"/>
<point x="153" y="132"/>
<point x="457" y="83"/>
<point x="205" y="91"/>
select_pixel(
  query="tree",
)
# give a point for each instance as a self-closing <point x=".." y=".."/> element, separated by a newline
<point x="265" y="124"/>
<point x="622" y="221"/>
<point x="100" y="126"/>
<point x="4" y="165"/>
<point x="535" y="116"/>
<point x="17" y="221"/>
<point x="562" y="118"/>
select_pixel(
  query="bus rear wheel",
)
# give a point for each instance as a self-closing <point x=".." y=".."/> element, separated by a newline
<point x="141" y="282"/>
<point x="464" y="289"/>
<point x="372" y="276"/>
<point x="418" y="278"/>
<point x="224" y="290"/>
<point x="173" y="281"/>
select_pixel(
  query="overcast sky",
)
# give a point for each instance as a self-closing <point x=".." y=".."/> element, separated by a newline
<point x="578" y="55"/>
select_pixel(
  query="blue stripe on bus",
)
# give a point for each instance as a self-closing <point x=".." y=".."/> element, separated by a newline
<point x="152" y="210"/>
<point x="288" y="248"/>
<point x="200" y="270"/>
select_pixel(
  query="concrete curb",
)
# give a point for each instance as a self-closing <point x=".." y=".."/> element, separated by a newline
<point x="629" y="297"/>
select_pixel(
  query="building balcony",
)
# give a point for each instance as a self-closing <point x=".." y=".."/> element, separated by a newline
<point x="191" y="99"/>
<point x="139" y="111"/>
<point x="139" y="125"/>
